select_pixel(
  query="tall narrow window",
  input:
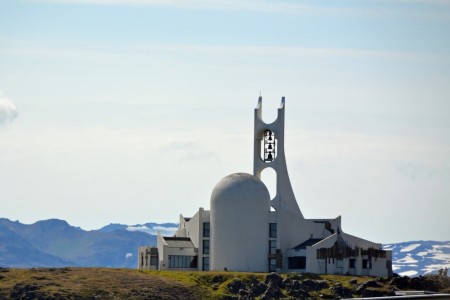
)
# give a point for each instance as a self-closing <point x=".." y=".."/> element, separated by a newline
<point x="206" y="229"/>
<point x="205" y="246"/>
<point x="272" y="265"/>
<point x="273" y="230"/>
<point x="205" y="263"/>
<point x="272" y="247"/>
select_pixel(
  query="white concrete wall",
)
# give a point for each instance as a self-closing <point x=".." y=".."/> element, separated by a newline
<point x="240" y="206"/>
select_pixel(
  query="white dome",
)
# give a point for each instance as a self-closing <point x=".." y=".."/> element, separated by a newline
<point x="240" y="206"/>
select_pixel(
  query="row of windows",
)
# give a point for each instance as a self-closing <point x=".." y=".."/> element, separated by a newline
<point x="182" y="261"/>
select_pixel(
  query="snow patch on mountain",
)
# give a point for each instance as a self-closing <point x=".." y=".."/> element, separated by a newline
<point x="409" y="247"/>
<point x="419" y="257"/>
<point x="166" y="231"/>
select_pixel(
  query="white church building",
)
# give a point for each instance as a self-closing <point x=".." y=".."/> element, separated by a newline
<point x="245" y="230"/>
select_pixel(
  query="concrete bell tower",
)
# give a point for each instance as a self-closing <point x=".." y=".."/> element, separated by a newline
<point x="269" y="153"/>
<point x="268" y="147"/>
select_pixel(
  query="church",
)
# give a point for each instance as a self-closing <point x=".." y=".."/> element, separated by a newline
<point x="245" y="230"/>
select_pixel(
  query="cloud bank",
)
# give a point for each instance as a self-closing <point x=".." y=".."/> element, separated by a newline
<point x="8" y="110"/>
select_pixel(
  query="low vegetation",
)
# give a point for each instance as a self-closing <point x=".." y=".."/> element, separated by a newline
<point x="103" y="283"/>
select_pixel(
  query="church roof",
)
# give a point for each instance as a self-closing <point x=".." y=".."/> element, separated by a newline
<point x="179" y="242"/>
<point x="307" y="243"/>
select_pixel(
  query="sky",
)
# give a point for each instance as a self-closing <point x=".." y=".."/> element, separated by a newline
<point x="115" y="111"/>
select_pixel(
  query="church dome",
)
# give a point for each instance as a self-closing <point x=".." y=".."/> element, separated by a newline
<point x="240" y="188"/>
<point x="240" y="207"/>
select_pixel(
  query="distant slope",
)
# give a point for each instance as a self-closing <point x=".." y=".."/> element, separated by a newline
<point x="56" y="243"/>
<point x="419" y="257"/>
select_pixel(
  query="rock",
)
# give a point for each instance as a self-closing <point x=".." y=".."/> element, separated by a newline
<point x="273" y="292"/>
<point x="427" y="283"/>
<point x="341" y="291"/>
<point x="367" y="293"/>
<point x="294" y="276"/>
<point x="243" y="294"/>
<point x="314" y="285"/>
<point x="4" y="270"/>
<point x="298" y="293"/>
<point x="257" y="289"/>
<point x="275" y="278"/>
<point x="236" y="285"/>
<point x="353" y="281"/>
<point x="402" y="283"/>
<point x="217" y="279"/>
<point x="286" y="283"/>
<point x="372" y="283"/>
<point x="27" y="291"/>
<point x="360" y="289"/>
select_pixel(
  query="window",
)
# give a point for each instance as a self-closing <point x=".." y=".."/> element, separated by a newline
<point x="206" y="229"/>
<point x="272" y="265"/>
<point x="272" y="247"/>
<point x="297" y="262"/>
<point x="352" y="263"/>
<point x="366" y="264"/>
<point x="181" y="261"/>
<point x="205" y="263"/>
<point x="273" y="230"/>
<point x="154" y="260"/>
<point x="205" y="246"/>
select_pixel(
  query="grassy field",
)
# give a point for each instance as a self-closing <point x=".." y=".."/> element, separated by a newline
<point x="103" y="283"/>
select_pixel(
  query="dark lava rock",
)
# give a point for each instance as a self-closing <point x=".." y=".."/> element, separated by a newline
<point x="286" y="283"/>
<point x="299" y="294"/>
<point x="429" y="283"/>
<point x="341" y="291"/>
<point x="217" y="279"/>
<point x="27" y="291"/>
<point x="353" y="281"/>
<point x="314" y="285"/>
<point x="402" y="283"/>
<point x="294" y="276"/>
<point x="243" y="294"/>
<point x="372" y="283"/>
<point x="367" y="293"/>
<point x="236" y="285"/>
<point x="4" y="270"/>
<point x="274" y="278"/>
<point x="273" y="292"/>
<point x="257" y="289"/>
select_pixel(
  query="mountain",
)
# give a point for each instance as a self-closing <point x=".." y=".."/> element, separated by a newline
<point x="55" y="243"/>
<point x="419" y="257"/>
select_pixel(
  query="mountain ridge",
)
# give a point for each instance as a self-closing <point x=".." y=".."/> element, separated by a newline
<point x="56" y="243"/>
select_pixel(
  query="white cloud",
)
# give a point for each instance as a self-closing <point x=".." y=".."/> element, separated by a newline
<point x="373" y="8"/>
<point x="410" y="248"/>
<point x="8" y="110"/>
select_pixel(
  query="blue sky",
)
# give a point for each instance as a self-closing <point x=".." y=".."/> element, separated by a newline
<point x="131" y="111"/>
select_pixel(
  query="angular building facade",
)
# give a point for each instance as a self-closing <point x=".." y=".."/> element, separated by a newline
<point x="246" y="230"/>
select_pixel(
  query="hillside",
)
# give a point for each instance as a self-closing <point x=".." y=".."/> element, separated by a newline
<point x="55" y="243"/>
<point x="95" y="283"/>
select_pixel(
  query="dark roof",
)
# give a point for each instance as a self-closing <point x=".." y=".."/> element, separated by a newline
<point x="187" y="219"/>
<point x="307" y="243"/>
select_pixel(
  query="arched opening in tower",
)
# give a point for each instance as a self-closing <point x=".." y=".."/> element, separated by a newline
<point x="269" y="178"/>
<point x="268" y="146"/>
